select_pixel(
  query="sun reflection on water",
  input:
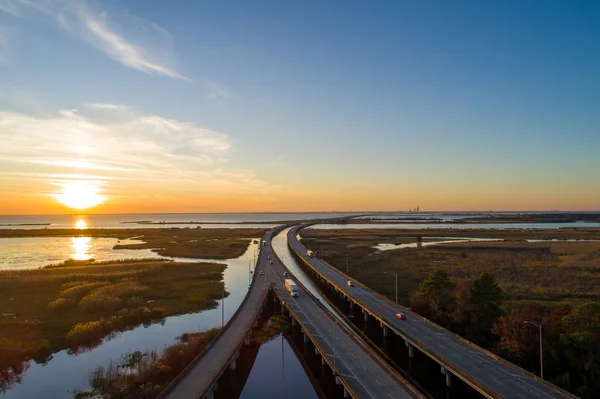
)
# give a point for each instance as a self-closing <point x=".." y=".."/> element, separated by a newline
<point x="81" y="224"/>
<point x="81" y="248"/>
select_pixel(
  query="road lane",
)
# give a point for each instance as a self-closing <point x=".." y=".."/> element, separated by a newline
<point x="498" y="379"/>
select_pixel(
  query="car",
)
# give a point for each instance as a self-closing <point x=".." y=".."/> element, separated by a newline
<point x="271" y="262"/>
<point x="350" y="284"/>
<point x="286" y="274"/>
<point x="401" y="316"/>
<point x="269" y="256"/>
<point x="261" y="273"/>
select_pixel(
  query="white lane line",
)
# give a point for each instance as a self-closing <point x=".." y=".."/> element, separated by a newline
<point x="420" y="327"/>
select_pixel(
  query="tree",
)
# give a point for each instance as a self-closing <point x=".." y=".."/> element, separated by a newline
<point x="486" y="300"/>
<point x="462" y="311"/>
<point x="438" y="289"/>
<point x="582" y="334"/>
<point x="519" y="340"/>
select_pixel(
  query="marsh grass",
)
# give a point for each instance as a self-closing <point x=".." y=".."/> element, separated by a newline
<point x="43" y="311"/>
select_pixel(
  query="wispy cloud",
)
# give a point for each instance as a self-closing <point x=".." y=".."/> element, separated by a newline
<point x="9" y="7"/>
<point x="106" y="106"/>
<point x="217" y="91"/>
<point x="123" y="51"/>
<point x="132" y="42"/>
<point x="144" y="153"/>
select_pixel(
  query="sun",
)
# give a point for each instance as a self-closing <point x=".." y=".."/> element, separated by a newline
<point x="80" y="195"/>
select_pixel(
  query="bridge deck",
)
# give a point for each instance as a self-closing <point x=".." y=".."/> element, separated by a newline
<point x="487" y="373"/>
<point x="365" y="374"/>
<point x="199" y="377"/>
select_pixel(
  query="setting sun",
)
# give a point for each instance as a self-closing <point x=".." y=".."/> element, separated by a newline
<point x="80" y="195"/>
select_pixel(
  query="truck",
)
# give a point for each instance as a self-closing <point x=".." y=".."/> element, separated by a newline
<point x="310" y="253"/>
<point x="291" y="287"/>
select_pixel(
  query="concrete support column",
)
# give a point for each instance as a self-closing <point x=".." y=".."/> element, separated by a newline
<point x="448" y="375"/>
<point x="247" y="340"/>
<point x="411" y="349"/>
<point x="351" y="304"/>
<point x="233" y="364"/>
<point x="294" y="322"/>
<point x="337" y="380"/>
<point x="323" y="361"/>
<point x="366" y="315"/>
<point x="305" y="337"/>
<point x="385" y="331"/>
<point x="346" y="393"/>
<point x="317" y="351"/>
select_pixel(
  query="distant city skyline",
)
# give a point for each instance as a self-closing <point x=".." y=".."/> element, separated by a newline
<point x="150" y="107"/>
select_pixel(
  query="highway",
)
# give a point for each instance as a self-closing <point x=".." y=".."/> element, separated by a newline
<point x="197" y="379"/>
<point x="359" y="368"/>
<point x="493" y="377"/>
<point x="366" y="374"/>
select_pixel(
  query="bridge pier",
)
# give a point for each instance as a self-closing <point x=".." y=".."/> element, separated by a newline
<point x="323" y="361"/>
<point x="448" y="376"/>
<point x="385" y="330"/>
<point x="316" y="351"/>
<point x="305" y="337"/>
<point x="346" y="393"/>
<point x="411" y="349"/>
<point x="294" y="322"/>
<point x="247" y="340"/>
<point x="366" y="315"/>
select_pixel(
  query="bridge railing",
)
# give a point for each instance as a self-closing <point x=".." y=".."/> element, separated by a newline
<point x="448" y="365"/>
<point x="372" y="354"/>
<point x="215" y="340"/>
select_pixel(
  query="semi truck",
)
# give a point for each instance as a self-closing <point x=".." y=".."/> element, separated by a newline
<point x="291" y="287"/>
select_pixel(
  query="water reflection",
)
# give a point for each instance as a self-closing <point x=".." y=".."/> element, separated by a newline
<point x="81" y="248"/>
<point x="81" y="224"/>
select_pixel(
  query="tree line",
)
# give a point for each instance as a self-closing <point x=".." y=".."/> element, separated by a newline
<point x="474" y="309"/>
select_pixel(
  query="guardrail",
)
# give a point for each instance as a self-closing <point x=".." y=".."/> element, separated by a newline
<point x="352" y="335"/>
<point x="212" y="343"/>
<point x="468" y="378"/>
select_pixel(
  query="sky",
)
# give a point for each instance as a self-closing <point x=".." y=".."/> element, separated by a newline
<point x="236" y="106"/>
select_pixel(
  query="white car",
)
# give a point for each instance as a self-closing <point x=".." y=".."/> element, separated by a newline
<point x="350" y="284"/>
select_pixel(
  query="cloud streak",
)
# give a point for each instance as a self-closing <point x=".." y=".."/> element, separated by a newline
<point x="147" y="154"/>
<point x="150" y="53"/>
<point x="123" y="51"/>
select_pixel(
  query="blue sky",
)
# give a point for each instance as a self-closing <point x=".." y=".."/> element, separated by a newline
<point x="312" y="105"/>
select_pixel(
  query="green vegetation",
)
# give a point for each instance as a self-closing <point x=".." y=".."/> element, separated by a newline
<point x="485" y="291"/>
<point x="46" y="310"/>
<point x="217" y="243"/>
<point x="145" y="375"/>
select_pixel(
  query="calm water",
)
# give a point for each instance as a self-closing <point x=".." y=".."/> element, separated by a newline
<point x="232" y="220"/>
<point x="457" y="226"/>
<point x="277" y="373"/>
<point x="34" y="252"/>
<point x="440" y="240"/>
<point x="65" y="373"/>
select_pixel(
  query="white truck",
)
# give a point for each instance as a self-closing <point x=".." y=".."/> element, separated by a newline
<point x="291" y="287"/>
<point x="310" y="253"/>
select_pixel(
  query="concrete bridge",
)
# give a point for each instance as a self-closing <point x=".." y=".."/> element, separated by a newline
<point x="355" y="366"/>
<point x="489" y="374"/>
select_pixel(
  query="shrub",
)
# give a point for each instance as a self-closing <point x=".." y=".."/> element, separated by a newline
<point x="135" y="302"/>
<point x="80" y="290"/>
<point x="61" y="303"/>
<point x="110" y="297"/>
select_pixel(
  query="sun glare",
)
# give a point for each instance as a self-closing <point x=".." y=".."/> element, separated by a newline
<point x="81" y="224"/>
<point x="81" y="248"/>
<point x="80" y="195"/>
